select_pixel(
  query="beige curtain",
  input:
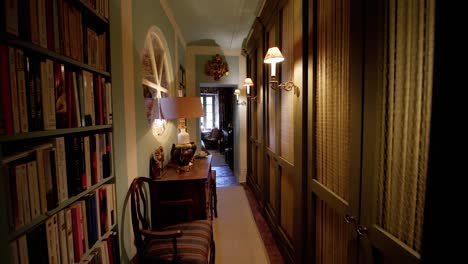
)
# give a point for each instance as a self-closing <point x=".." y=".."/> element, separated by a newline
<point x="332" y="127"/>
<point x="405" y="109"/>
<point x="332" y="155"/>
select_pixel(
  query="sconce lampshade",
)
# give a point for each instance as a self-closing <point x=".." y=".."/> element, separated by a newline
<point x="248" y="82"/>
<point x="237" y="92"/>
<point x="273" y="56"/>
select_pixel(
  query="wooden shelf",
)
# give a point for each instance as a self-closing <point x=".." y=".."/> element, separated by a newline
<point x="52" y="133"/>
<point x="89" y="44"/>
<point x="91" y="12"/>
<point x="39" y="220"/>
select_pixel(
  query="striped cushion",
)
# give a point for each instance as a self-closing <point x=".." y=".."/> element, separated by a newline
<point x="192" y="247"/>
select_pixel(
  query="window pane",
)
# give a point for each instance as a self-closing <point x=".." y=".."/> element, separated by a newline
<point x="209" y="100"/>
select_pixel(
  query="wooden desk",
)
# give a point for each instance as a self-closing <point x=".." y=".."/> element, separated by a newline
<point x="175" y="185"/>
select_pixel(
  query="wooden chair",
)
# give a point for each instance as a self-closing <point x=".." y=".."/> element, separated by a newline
<point x="214" y="196"/>
<point x="211" y="141"/>
<point x="185" y="242"/>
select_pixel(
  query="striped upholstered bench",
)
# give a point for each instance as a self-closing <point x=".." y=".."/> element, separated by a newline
<point x="192" y="247"/>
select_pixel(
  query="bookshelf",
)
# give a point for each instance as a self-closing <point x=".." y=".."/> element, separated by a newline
<point x="57" y="181"/>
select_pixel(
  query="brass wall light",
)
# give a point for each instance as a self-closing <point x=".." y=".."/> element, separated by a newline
<point x="217" y="67"/>
<point x="272" y="57"/>
<point x="237" y="93"/>
<point x="247" y="83"/>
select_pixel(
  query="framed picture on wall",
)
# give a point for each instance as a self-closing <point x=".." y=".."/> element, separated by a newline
<point x="182" y="89"/>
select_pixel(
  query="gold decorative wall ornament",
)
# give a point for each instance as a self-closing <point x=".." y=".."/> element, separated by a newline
<point x="217" y="67"/>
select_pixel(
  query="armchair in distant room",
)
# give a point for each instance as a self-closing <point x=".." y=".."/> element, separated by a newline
<point x="184" y="242"/>
<point x="211" y="140"/>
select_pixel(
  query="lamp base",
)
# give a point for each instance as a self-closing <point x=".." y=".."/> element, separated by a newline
<point x="183" y="154"/>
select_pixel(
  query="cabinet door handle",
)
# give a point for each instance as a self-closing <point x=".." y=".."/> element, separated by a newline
<point x="361" y="230"/>
<point x="350" y="219"/>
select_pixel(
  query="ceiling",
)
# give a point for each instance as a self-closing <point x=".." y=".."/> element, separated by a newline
<point x="223" y="23"/>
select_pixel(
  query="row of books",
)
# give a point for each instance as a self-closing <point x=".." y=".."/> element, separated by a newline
<point x="69" y="235"/>
<point x="42" y="177"/>
<point x="101" y="6"/>
<point x="41" y="94"/>
<point x="56" y="25"/>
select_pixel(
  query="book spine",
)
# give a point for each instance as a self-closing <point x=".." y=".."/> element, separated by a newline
<point x="56" y="24"/>
<point x="84" y="224"/>
<point x="33" y="185"/>
<point x="89" y="99"/>
<point x="14" y="255"/>
<point x="11" y="17"/>
<point x="98" y="214"/>
<point x="34" y="22"/>
<point x="61" y="99"/>
<point x="76" y="101"/>
<point x="42" y="23"/>
<point x="71" y="252"/>
<point x="50" y="17"/>
<point x="22" y="190"/>
<point x="6" y="118"/>
<point x="61" y="26"/>
<point x="22" y="98"/>
<point x="51" y="178"/>
<point x="62" y="228"/>
<point x="41" y="175"/>
<point x="74" y="165"/>
<point x="87" y="154"/>
<point x="24" y="23"/>
<point x="50" y="233"/>
<point x="51" y="93"/>
<point x="80" y="87"/>
<point x="37" y="86"/>
<point x="14" y="90"/>
<point x="15" y="206"/>
<point x="61" y="168"/>
<point x="23" y="249"/>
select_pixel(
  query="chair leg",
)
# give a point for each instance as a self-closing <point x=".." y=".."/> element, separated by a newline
<point x="214" y="196"/>
<point x="212" y="251"/>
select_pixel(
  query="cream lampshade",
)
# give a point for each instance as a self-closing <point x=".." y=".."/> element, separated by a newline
<point x="237" y="93"/>
<point x="181" y="108"/>
<point x="272" y="57"/>
<point x="247" y="83"/>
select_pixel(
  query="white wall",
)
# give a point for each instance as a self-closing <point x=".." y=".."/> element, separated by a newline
<point x="133" y="139"/>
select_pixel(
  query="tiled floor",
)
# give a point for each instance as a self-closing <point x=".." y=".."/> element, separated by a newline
<point x="225" y="176"/>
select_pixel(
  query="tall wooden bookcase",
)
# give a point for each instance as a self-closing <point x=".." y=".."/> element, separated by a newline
<point x="57" y="182"/>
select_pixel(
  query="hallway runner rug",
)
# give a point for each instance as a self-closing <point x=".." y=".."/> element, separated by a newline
<point x="236" y="235"/>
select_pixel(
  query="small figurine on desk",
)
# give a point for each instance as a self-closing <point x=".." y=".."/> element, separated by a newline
<point x="157" y="163"/>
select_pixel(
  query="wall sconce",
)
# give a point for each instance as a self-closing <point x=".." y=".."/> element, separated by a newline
<point x="247" y="83"/>
<point x="272" y="57"/>
<point x="237" y="92"/>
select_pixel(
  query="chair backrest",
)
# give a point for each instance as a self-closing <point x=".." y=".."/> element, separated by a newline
<point x="140" y="208"/>
<point x="215" y="133"/>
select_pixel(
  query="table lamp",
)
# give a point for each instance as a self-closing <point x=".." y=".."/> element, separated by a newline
<point x="182" y="108"/>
